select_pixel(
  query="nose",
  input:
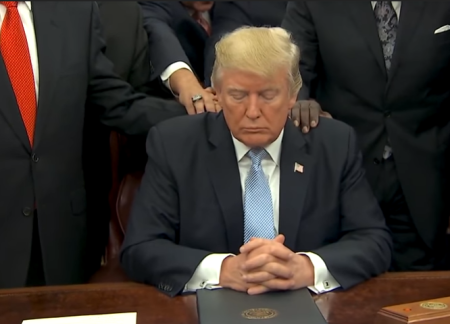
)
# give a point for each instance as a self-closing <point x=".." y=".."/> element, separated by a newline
<point x="253" y="110"/>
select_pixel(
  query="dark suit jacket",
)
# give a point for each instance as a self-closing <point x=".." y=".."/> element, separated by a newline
<point x="127" y="48"/>
<point x="173" y="35"/>
<point x="190" y="203"/>
<point x="343" y="68"/>
<point x="230" y="15"/>
<point x="73" y="71"/>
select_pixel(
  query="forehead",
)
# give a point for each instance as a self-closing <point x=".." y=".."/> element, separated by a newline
<point x="249" y="81"/>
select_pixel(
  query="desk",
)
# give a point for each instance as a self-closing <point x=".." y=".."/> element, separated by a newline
<point x="357" y="306"/>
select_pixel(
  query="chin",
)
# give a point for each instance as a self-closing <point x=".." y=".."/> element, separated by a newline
<point x="255" y="140"/>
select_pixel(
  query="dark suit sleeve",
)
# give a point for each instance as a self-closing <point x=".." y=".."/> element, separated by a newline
<point x="299" y="23"/>
<point x="364" y="249"/>
<point x="150" y="253"/>
<point x="164" y="46"/>
<point x="141" y="67"/>
<point x="121" y="106"/>
<point x="227" y="16"/>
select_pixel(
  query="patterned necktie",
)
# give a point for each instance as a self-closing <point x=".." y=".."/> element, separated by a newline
<point x="258" y="209"/>
<point x="15" y="53"/>
<point x="387" y="23"/>
<point x="198" y="16"/>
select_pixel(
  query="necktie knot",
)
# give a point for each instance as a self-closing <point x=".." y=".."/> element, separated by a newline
<point x="9" y="4"/>
<point x="257" y="155"/>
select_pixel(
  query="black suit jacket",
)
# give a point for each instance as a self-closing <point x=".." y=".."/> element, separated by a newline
<point x="230" y="15"/>
<point x="73" y="71"/>
<point x="173" y="36"/>
<point x="343" y="68"/>
<point x="190" y="203"/>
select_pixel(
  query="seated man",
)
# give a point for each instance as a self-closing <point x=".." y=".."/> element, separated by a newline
<point x="242" y="199"/>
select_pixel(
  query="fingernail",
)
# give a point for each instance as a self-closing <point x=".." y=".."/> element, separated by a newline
<point x="305" y="129"/>
<point x="313" y="124"/>
<point x="296" y="123"/>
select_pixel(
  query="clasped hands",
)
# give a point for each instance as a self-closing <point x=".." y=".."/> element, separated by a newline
<point x="266" y="265"/>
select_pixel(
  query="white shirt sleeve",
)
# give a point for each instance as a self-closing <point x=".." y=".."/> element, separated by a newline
<point x="207" y="274"/>
<point x="323" y="280"/>
<point x="171" y="69"/>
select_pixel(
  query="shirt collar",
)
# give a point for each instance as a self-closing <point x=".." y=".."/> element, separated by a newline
<point x="273" y="149"/>
<point x="28" y="3"/>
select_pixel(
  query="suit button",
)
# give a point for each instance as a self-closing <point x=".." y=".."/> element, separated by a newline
<point x="27" y="212"/>
<point x="376" y="161"/>
<point x="35" y="158"/>
<point x="387" y="114"/>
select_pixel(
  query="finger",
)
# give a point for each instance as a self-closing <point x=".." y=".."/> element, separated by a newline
<point x="263" y="259"/>
<point x="314" y="110"/>
<point x="274" y="268"/>
<point x="325" y="114"/>
<point x="217" y="107"/>
<point x="279" y="284"/>
<point x="278" y="270"/>
<point x="253" y="244"/>
<point x="199" y="106"/>
<point x="190" y="108"/>
<point x="258" y="277"/>
<point x="211" y="90"/>
<point x="209" y="103"/>
<point x="269" y="247"/>
<point x="252" y="264"/>
<point x="295" y="113"/>
<point x="257" y="290"/>
<point x="279" y="239"/>
<point x="304" y="117"/>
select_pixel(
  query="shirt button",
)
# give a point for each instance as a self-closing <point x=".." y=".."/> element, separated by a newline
<point x="202" y="285"/>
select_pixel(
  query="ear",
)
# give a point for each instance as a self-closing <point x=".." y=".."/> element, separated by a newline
<point x="292" y="101"/>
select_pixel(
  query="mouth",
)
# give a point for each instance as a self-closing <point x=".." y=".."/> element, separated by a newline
<point x="254" y="130"/>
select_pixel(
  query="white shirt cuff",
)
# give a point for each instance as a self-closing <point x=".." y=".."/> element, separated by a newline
<point x="171" y="69"/>
<point x="323" y="280"/>
<point x="207" y="274"/>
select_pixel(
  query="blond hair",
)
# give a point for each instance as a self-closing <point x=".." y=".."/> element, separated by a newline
<point x="260" y="50"/>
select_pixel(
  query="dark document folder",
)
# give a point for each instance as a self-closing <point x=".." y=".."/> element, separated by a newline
<point x="224" y="306"/>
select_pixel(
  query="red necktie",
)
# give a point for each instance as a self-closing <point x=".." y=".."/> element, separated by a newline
<point x="15" y="53"/>
<point x="198" y="16"/>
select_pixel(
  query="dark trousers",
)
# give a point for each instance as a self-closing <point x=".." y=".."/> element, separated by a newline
<point x="35" y="275"/>
<point x="410" y="251"/>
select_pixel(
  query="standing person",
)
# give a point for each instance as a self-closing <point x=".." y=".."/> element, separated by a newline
<point x="51" y="66"/>
<point x="383" y="68"/>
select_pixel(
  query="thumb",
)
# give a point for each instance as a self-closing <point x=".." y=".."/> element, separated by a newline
<point x="280" y="239"/>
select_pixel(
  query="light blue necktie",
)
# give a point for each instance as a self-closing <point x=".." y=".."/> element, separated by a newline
<point x="258" y="209"/>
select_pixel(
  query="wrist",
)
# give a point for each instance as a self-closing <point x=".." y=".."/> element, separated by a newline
<point x="181" y="78"/>
<point x="224" y="270"/>
<point x="304" y="271"/>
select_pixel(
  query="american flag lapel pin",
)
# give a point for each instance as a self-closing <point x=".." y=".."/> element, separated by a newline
<point x="298" y="167"/>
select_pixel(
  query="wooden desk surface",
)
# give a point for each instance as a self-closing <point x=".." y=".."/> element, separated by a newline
<point x="357" y="306"/>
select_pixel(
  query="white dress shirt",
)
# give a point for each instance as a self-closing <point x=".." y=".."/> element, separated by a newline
<point x="24" y="8"/>
<point x="174" y="67"/>
<point x="207" y="273"/>
<point x="395" y="4"/>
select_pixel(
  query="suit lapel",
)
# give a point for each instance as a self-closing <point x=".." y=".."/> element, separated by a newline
<point x="224" y="172"/>
<point x="362" y="15"/>
<point x="9" y="108"/>
<point x="49" y="41"/>
<point x="293" y="185"/>
<point x="411" y="13"/>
